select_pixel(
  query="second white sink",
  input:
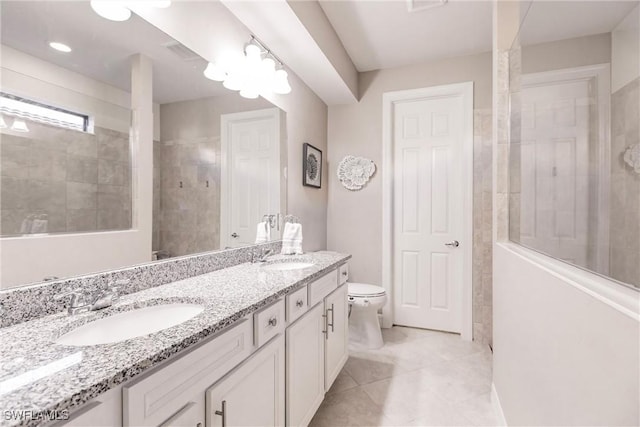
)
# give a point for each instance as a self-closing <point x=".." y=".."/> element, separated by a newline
<point x="130" y="324"/>
<point x="287" y="266"/>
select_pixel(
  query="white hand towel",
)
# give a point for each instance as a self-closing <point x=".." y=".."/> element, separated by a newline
<point x="263" y="232"/>
<point x="292" y="239"/>
<point x="27" y="225"/>
<point x="39" y="226"/>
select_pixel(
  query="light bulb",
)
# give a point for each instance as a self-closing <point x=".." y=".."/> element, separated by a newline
<point x="249" y="92"/>
<point x="268" y="68"/>
<point x="3" y="124"/>
<point x="281" y="83"/>
<point x="111" y="10"/>
<point x="233" y="82"/>
<point x="215" y="72"/>
<point x="253" y="55"/>
<point x="19" y="126"/>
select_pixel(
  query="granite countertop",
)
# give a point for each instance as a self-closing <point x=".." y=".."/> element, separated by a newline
<point x="37" y="375"/>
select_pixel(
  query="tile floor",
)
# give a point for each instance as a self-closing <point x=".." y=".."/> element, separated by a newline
<point x="419" y="378"/>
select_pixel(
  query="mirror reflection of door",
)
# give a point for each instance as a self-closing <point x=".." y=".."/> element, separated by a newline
<point x="558" y="192"/>
<point x="250" y="178"/>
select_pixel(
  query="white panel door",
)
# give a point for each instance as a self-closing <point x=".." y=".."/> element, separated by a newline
<point x="251" y="180"/>
<point x="427" y="213"/>
<point x="305" y="367"/>
<point x="253" y="393"/>
<point x="555" y="169"/>
<point x="337" y="342"/>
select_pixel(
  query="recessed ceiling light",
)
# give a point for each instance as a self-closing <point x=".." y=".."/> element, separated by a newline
<point x="61" y="47"/>
<point x="112" y="10"/>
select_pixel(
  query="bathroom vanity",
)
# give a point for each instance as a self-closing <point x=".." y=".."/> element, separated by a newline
<point x="269" y="343"/>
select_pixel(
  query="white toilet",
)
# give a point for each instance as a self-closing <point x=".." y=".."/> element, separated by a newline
<point x="364" y="328"/>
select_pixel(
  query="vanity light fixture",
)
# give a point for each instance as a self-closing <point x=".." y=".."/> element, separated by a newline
<point x="253" y="73"/>
<point x="60" y="47"/>
<point x="19" y="126"/>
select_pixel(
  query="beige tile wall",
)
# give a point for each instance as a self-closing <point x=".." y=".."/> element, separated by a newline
<point x="80" y="181"/>
<point x="624" y="263"/>
<point x="482" y="225"/>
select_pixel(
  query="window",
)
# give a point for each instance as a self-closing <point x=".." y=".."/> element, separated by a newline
<point x="32" y="110"/>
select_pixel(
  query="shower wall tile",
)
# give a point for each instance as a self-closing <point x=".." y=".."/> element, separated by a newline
<point x="482" y="224"/>
<point x="112" y="173"/>
<point x="82" y="169"/>
<point x="79" y="220"/>
<point x="81" y="196"/>
<point x="624" y="259"/>
<point x="56" y="172"/>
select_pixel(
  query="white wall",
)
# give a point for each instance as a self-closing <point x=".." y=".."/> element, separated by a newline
<point x="561" y="356"/>
<point x="209" y="29"/>
<point x="355" y="217"/>
<point x="567" y="53"/>
<point x="625" y="50"/>
<point x="29" y="259"/>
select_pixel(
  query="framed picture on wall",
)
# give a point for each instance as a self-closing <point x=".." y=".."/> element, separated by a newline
<point x="311" y="166"/>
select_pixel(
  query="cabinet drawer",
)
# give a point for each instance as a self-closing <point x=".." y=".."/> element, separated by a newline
<point x="343" y="274"/>
<point x="296" y="304"/>
<point x="322" y="287"/>
<point x="268" y="322"/>
<point x="159" y="395"/>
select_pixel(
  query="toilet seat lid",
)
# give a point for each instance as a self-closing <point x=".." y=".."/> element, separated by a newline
<point x="365" y="290"/>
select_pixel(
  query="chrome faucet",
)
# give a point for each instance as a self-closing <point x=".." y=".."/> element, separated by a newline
<point x="264" y="253"/>
<point x="79" y="303"/>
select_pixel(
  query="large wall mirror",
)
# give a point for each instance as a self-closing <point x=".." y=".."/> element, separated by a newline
<point x="575" y="135"/>
<point x="69" y="166"/>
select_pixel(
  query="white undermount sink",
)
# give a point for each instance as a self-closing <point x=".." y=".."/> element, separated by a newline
<point x="130" y="324"/>
<point x="287" y="266"/>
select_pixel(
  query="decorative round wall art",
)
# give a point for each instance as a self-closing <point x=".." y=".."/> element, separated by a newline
<point x="632" y="157"/>
<point x="354" y="172"/>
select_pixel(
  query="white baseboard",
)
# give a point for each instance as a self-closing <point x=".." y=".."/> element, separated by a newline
<point x="497" y="408"/>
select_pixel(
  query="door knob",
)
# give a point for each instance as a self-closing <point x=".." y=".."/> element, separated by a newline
<point x="235" y="235"/>
<point x="453" y="244"/>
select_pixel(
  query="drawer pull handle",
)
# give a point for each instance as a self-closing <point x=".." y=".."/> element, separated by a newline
<point x="273" y="321"/>
<point x="223" y="413"/>
<point x="332" y="317"/>
<point x="299" y="303"/>
<point x="344" y="273"/>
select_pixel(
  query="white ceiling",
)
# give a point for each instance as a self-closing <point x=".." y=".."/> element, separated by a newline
<point x="557" y="20"/>
<point x="101" y="48"/>
<point x="384" y="34"/>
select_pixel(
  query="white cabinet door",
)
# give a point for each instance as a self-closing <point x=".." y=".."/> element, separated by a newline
<point x="190" y="415"/>
<point x="253" y="393"/>
<point x="337" y="336"/>
<point x="305" y="367"/>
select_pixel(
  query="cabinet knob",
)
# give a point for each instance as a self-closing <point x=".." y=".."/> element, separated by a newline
<point x="273" y="321"/>
<point x="299" y="303"/>
<point x="344" y="273"/>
